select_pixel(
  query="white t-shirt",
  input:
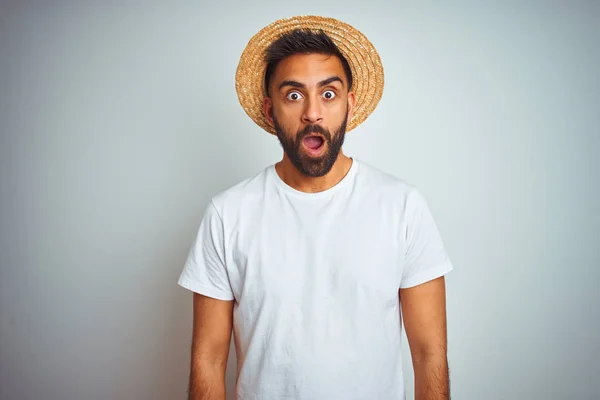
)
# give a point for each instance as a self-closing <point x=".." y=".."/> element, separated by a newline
<point x="315" y="279"/>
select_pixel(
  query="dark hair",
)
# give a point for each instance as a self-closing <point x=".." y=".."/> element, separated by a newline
<point x="301" y="41"/>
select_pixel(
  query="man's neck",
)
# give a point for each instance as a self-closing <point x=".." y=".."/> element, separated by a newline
<point x="294" y="178"/>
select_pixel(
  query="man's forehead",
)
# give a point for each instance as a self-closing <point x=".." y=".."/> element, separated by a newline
<point x="309" y="67"/>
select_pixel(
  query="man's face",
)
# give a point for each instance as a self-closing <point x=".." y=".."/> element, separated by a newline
<point x="309" y="106"/>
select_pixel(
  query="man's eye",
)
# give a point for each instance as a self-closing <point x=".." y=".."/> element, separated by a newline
<point x="329" y="94"/>
<point x="294" y="96"/>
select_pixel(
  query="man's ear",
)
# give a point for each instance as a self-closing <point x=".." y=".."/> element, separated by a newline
<point x="268" y="110"/>
<point x="351" y="103"/>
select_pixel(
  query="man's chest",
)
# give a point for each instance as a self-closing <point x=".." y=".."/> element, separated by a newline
<point x="293" y="256"/>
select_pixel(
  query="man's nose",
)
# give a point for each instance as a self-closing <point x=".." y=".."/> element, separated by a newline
<point x="313" y="111"/>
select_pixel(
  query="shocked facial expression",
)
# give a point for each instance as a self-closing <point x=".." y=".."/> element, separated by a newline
<point x="309" y="106"/>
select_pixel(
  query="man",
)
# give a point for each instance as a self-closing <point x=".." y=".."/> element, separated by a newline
<point x="314" y="262"/>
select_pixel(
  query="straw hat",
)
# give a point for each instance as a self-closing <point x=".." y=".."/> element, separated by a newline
<point x="364" y="61"/>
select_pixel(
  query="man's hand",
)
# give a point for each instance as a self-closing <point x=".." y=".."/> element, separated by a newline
<point x="424" y="314"/>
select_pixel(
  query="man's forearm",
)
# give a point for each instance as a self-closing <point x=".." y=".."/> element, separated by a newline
<point x="207" y="382"/>
<point x="432" y="380"/>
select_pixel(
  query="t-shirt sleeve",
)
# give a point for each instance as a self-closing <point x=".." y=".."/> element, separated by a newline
<point x="205" y="270"/>
<point x="425" y="257"/>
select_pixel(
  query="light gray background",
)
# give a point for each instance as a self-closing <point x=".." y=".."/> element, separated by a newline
<point x="119" y="120"/>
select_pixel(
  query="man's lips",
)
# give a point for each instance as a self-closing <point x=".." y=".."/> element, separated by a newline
<point x="313" y="142"/>
<point x="314" y="145"/>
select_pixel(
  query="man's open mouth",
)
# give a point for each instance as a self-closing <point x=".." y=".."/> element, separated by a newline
<point x="314" y="142"/>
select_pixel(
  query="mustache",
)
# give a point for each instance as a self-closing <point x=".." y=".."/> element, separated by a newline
<point x="308" y="129"/>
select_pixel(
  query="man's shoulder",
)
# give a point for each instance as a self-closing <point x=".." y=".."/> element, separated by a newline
<point x="388" y="189"/>
<point x="378" y="181"/>
<point x="251" y="187"/>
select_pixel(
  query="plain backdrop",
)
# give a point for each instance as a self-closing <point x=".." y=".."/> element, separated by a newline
<point x="119" y="120"/>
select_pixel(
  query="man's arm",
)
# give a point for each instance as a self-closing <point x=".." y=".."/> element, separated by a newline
<point x="211" y="337"/>
<point x="424" y="314"/>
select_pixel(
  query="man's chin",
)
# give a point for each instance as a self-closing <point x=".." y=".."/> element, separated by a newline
<point x="312" y="158"/>
<point x="314" y="167"/>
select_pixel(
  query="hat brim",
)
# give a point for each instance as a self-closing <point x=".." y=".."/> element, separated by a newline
<point x="364" y="61"/>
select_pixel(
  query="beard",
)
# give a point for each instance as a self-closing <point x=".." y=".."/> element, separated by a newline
<point x="312" y="166"/>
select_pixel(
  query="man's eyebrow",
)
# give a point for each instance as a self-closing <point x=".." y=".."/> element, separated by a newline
<point x="300" y="85"/>
<point x="293" y="84"/>
<point x="331" y="80"/>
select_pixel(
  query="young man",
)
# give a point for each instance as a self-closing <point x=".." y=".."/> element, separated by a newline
<point x="315" y="261"/>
